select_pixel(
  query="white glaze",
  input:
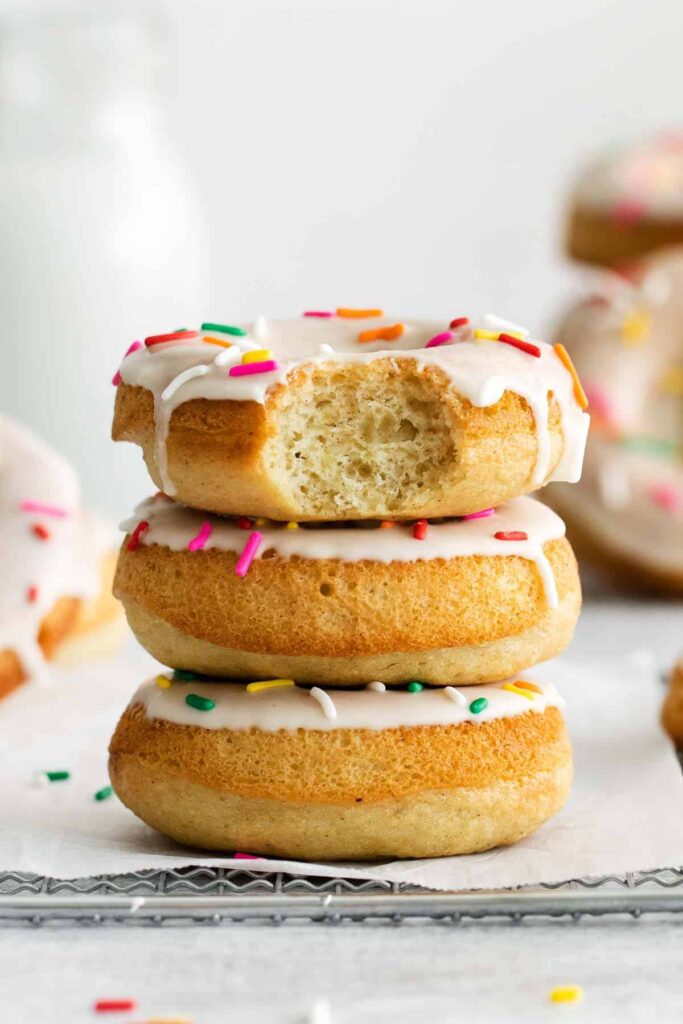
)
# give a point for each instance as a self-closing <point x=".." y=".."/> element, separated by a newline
<point x="294" y="708"/>
<point x="172" y="525"/>
<point x="64" y="565"/>
<point x="649" y="173"/>
<point x="480" y="370"/>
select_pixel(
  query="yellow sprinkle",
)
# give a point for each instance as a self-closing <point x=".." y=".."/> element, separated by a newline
<point x="291" y="526"/>
<point x="567" y="994"/>
<point x="487" y="335"/>
<point x="269" y="684"/>
<point x="672" y="381"/>
<point x="260" y="521"/>
<point x="259" y="355"/>
<point x="217" y="341"/>
<point x="515" y="689"/>
<point x="163" y="682"/>
<point x="634" y="327"/>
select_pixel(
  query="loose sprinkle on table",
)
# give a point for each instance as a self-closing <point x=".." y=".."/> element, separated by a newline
<point x="579" y="394"/>
<point x="199" y="703"/>
<point x="32" y="595"/>
<point x="420" y="529"/>
<point x="248" y="554"/>
<point x="58" y="776"/>
<point x="247" y="369"/>
<point x="40" y="531"/>
<point x="134" y="539"/>
<point x="257" y="355"/>
<point x="237" y="332"/>
<point x="199" y="541"/>
<point x="184" y="675"/>
<point x="388" y="524"/>
<point x="358" y="314"/>
<point x="439" y="339"/>
<point x="104" y="793"/>
<point x="269" y="684"/>
<point x="116" y="379"/>
<point x="114" y="1005"/>
<point x="566" y="994"/>
<point x="376" y="686"/>
<point x="511" y="535"/>
<point x="160" y="339"/>
<point x="390" y="333"/>
<point x="459" y="321"/>
<point x="163" y="682"/>
<point x="479" y="705"/>
<point x="41" y="508"/>
<point x="325" y="702"/>
<point x="456" y="696"/>
<point x="414" y="687"/>
<point x="291" y="526"/>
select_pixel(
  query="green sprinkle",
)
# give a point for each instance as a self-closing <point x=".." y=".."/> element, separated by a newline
<point x="177" y="330"/>
<point x="238" y="332"/>
<point x="104" y="793"/>
<point x="200" y="703"/>
<point x="414" y="687"/>
<point x="657" y="446"/>
<point x="58" y="776"/>
<point x="478" y="705"/>
<point x="185" y="675"/>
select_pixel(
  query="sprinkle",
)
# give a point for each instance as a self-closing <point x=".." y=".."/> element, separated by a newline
<point x="114" y="1005"/>
<point x="672" y="381"/>
<point x="420" y="529"/>
<point x="667" y="496"/>
<point x="58" y="776"/>
<point x="439" y="339"/>
<point x="325" y="350"/>
<point x="246" y="369"/>
<point x="261" y="521"/>
<point x="459" y="321"/>
<point x="159" y="339"/>
<point x="480" y="704"/>
<point x="104" y="793"/>
<point x="497" y="323"/>
<point x="376" y="686"/>
<point x="627" y="212"/>
<point x="388" y="524"/>
<point x="511" y="535"/>
<point x="43" y="509"/>
<point x="40" y="531"/>
<point x="257" y="355"/>
<point x="522" y="684"/>
<point x="32" y="595"/>
<point x="244" y="523"/>
<point x="291" y="526"/>
<point x="198" y="542"/>
<point x="358" y="314"/>
<point x="656" y="446"/>
<point x="486" y="335"/>
<point x="134" y="539"/>
<point x="116" y="379"/>
<point x="248" y="554"/>
<point x="484" y="514"/>
<point x="567" y="994"/>
<point x="184" y="675"/>
<point x="246" y="856"/>
<point x="237" y="332"/>
<point x="210" y="340"/>
<point x="635" y="327"/>
<point x="456" y="696"/>
<point x="319" y="313"/>
<point x="513" y="688"/>
<point x="414" y="687"/>
<point x="194" y="700"/>
<point x="325" y="702"/>
<point x="269" y="684"/>
<point x="163" y="682"/>
<point x="390" y="333"/>
<point x="579" y="394"/>
<point x="228" y="356"/>
<point x="182" y="378"/>
<point x="523" y="346"/>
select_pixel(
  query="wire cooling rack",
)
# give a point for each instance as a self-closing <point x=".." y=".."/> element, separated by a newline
<point x="216" y="896"/>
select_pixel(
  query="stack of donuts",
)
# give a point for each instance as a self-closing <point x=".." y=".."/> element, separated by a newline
<point x="347" y="581"/>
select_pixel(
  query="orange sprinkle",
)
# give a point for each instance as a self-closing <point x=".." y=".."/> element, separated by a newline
<point x="382" y="333"/>
<point x="579" y="394"/>
<point x="359" y="314"/>
<point x="522" y="684"/>
<point x="387" y="524"/>
<point x="217" y="341"/>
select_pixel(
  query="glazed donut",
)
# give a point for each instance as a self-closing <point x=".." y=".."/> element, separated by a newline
<point x="629" y="203"/>
<point x="342" y="775"/>
<point x="672" y="709"/>
<point x="327" y="425"/>
<point x="466" y="601"/>
<point x="56" y="559"/>
<point x="626" y="515"/>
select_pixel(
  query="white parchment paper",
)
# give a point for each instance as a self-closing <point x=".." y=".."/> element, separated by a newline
<point x="624" y="814"/>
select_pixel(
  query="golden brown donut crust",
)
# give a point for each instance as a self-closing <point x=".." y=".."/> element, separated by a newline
<point x="672" y="709"/>
<point x="236" y="458"/>
<point x="595" y="237"/>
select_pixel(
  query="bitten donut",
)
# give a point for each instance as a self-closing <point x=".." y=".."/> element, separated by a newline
<point x="629" y="203"/>
<point x="56" y="564"/>
<point x="626" y="514"/>
<point x="672" y="709"/>
<point x="351" y="415"/>
<point x="470" y="600"/>
<point x="340" y="775"/>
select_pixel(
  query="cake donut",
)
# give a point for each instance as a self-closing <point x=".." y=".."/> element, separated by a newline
<point x="672" y="709"/>
<point x="351" y="415"/>
<point x="467" y="601"/>
<point x="629" y="202"/>
<point x="56" y="560"/>
<point x="273" y="768"/>
<point x="626" y="514"/>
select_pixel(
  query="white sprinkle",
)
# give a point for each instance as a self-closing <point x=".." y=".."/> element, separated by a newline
<point x="136" y="904"/>
<point x="326" y="350"/>
<point x="320" y="1012"/>
<point x="615" y="486"/>
<point x="496" y="323"/>
<point x="456" y="696"/>
<point x="260" y="328"/>
<point x="182" y="378"/>
<point x="325" y="702"/>
<point x="228" y="356"/>
<point x="377" y="686"/>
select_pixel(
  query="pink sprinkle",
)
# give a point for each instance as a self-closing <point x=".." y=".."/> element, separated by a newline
<point x="667" y="497"/>
<point x="600" y="403"/>
<point x="249" y="553"/>
<point x="246" y="369"/>
<point x="485" y="512"/>
<point x="116" y="379"/>
<point x="246" y="856"/>
<point x="198" y="542"/>
<point x="627" y="212"/>
<point x="439" y="339"/>
<point x="42" y="509"/>
<point x="319" y="312"/>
